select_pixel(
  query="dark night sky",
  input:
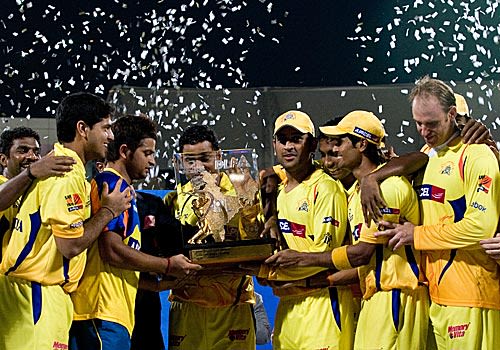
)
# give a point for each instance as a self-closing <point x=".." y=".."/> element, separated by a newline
<point x="49" y="49"/>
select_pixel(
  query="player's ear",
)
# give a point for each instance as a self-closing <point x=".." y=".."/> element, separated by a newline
<point x="3" y="160"/>
<point x="363" y="145"/>
<point x="123" y="151"/>
<point x="81" y="128"/>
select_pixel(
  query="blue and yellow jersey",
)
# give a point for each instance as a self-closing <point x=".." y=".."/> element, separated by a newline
<point x="56" y="206"/>
<point x="107" y="292"/>
<point x="387" y="269"/>
<point x="312" y="217"/>
<point x="217" y="290"/>
<point x="6" y="218"/>
<point x="459" y="198"/>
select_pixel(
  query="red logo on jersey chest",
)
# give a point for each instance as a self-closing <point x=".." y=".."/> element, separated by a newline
<point x="292" y="227"/>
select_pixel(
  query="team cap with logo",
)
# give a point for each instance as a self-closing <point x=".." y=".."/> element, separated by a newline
<point x="297" y="120"/>
<point x="362" y="124"/>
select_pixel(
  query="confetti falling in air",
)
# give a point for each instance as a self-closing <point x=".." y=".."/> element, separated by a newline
<point x="196" y="44"/>
<point x="159" y="45"/>
<point x="458" y="40"/>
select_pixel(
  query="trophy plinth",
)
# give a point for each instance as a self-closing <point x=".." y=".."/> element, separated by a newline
<point x="218" y="197"/>
<point x="230" y="252"/>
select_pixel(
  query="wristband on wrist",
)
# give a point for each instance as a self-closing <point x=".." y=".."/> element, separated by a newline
<point x="111" y="211"/>
<point x="30" y="174"/>
<point x="167" y="270"/>
<point x="340" y="259"/>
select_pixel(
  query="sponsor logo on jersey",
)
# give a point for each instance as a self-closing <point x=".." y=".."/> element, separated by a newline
<point x="484" y="183"/>
<point x="58" y="346"/>
<point x="303" y="205"/>
<point x="175" y="340"/>
<point x="292" y="228"/>
<point x="478" y="206"/>
<point x="73" y="202"/>
<point x="431" y="192"/>
<point x="458" y="331"/>
<point x="390" y="211"/>
<point x="331" y="220"/>
<point x="76" y="224"/>
<point x="356" y="232"/>
<point x="238" y="334"/>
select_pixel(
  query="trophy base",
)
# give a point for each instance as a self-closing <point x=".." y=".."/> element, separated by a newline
<point x="230" y="252"/>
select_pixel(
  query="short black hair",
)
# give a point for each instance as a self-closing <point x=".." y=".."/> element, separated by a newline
<point x="84" y="106"/>
<point x="196" y="134"/>
<point x="130" y="130"/>
<point x="8" y="136"/>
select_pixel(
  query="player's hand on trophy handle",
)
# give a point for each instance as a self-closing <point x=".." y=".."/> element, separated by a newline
<point x="287" y="258"/>
<point x="271" y="230"/>
<point x="117" y="201"/>
<point x="181" y="266"/>
<point x="371" y="199"/>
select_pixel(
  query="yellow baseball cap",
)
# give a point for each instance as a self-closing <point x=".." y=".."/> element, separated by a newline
<point x="362" y="124"/>
<point x="297" y="120"/>
<point x="462" y="107"/>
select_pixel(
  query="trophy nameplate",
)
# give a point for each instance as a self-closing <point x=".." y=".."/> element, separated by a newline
<point x="218" y="198"/>
<point x="231" y="252"/>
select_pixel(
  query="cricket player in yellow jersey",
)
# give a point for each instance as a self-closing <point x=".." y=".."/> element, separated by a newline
<point x="458" y="195"/>
<point x="21" y="162"/>
<point x="46" y="252"/>
<point x="312" y="218"/>
<point x="210" y="311"/>
<point x="394" y="314"/>
<point x="105" y="298"/>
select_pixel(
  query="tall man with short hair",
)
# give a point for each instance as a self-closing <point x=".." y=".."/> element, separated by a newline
<point x="45" y="257"/>
<point x="458" y="194"/>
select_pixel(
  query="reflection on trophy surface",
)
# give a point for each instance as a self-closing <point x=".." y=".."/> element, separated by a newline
<point x="219" y="197"/>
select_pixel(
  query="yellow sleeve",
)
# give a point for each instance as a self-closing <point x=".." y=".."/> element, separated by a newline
<point x="63" y="204"/>
<point x="401" y="202"/>
<point x="482" y="183"/>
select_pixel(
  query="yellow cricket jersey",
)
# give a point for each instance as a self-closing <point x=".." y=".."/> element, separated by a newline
<point x="107" y="292"/>
<point x="459" y="198"/>
<point x="6" y="218"/>
<point x="217" y="290"/>
<point x="387" y="269"/>
<point x="56" y="206"/>
<point x="312" y="217"/>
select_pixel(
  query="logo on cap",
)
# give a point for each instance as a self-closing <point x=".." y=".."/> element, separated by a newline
<point x="366" y="134"/>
